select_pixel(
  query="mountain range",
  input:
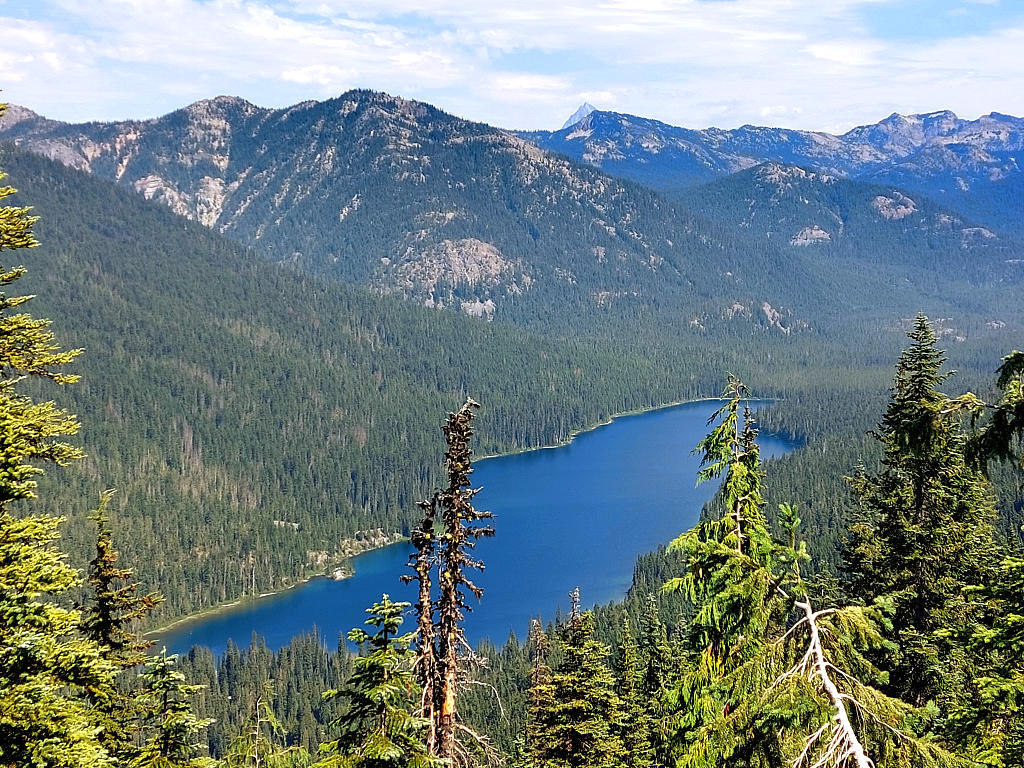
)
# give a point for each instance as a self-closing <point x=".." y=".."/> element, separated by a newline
<point x="263" y="413"/>
<point x="971" y="165"/>
<point x="399" y="196"/>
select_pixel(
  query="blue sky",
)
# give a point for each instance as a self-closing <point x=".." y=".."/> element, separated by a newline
<point x="815" y="64"/>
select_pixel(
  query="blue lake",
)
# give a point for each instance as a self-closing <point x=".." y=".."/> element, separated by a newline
<point x="577" y="515"/>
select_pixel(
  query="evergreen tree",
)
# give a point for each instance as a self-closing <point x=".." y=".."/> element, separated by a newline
<point x="655" y="654"/>
<point x="109" y="620"/>
<point x="924" y="529"/>
<point x="732" y="579"/>
<point x="582" y="727"/>
<point x="989" y="721"/>
<point x="259" y="744"/>
<point x="636" y="726"/>
<point x="378" y="728"/>
<point x="657" y="677"/>
<point x="170" y="727"/>
<point x="769" y="680"/>
<point x="538" y="735"/>
<point x="45" y="666"/>
<point x="1000" y="436"/>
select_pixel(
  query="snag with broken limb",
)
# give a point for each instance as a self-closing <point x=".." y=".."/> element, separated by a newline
<point x="444" y="542"/>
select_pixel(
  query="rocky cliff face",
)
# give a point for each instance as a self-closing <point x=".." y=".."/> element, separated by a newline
<point x="399" y="196"/>
<point x="392" y="193"/>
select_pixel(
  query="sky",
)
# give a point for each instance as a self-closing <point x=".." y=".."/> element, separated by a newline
<point x="811" y="64"/>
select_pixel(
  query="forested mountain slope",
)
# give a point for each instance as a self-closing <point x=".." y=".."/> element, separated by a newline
<point x="838" y="219"/>
<point x="397" y="195"/>
<point x="257" y="421"/>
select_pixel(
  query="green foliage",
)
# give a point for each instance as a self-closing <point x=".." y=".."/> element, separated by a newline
<point x="378" y="729"/>
<point x="733" y="580"/>
<point x="273" y="402"/>
<point x="46" y="668"/>
<point x="924" y="531"/>
<point x="768" y="680"/>
<point x="170" y="728"/>
<point x="989" y="720"/>
<point x="300" y="672"/>
<point x="636" y="731"/>
<point x="577" y="717"/>
<point x="110" y="619"/>
<point x="259" y="744"/>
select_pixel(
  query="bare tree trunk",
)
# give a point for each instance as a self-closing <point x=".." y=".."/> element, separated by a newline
<point x="426" y="663"/>
<point x="843" y="745"/>
<point x="458" y="517"/>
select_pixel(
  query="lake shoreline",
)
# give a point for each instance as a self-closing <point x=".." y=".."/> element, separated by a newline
<point x="242" y="602"/>
<point x="229" y="606"/>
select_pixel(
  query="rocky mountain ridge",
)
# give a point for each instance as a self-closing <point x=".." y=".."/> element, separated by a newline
<point x="395" y="194"/>
<point x="970" y="164"/>
<point x="379" y="190"/>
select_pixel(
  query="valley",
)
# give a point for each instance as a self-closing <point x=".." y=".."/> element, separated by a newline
<point x="278" y="306"/>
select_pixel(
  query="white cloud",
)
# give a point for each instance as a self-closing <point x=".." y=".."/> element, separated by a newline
<point x="528" y="64"/>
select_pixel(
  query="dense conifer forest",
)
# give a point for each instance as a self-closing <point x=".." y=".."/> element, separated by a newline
<point x="857" y="604"/>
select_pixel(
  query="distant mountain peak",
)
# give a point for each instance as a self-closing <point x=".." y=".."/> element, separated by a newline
<point x="584" y="109"/>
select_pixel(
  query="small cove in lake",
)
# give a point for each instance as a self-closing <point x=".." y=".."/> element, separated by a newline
<point x="575" y="515"/>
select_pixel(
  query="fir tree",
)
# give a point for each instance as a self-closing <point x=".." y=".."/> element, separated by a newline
<point x="582" y="727"/>
<point x="378" y="728"/>
<point x="924" y="529"/>
<point x="657" y="677"/>
<point x="541" y="703"/>
<point x="770" y="680"/>
<point x="655" y="654"/>
<point x="733" y="580"/>
<point x="259" y="744"/>
<point x="109" y="620"/>
<point x="988" y="722"/>
<point x="999" y="437"/>
<point x="636" y="727"/>
<point x="170" y="727"/>
<point x="45" y="666"/>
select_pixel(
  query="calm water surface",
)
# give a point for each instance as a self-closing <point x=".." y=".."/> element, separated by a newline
<point x="577" y="515"/>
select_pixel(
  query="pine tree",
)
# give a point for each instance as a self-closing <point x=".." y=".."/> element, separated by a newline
<point x="46" y="668"/>
<point x="170" y="727"/>
<point x="109" y="621"/>
<point x="924" y="529"/>
<point x="378" y="728"/>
